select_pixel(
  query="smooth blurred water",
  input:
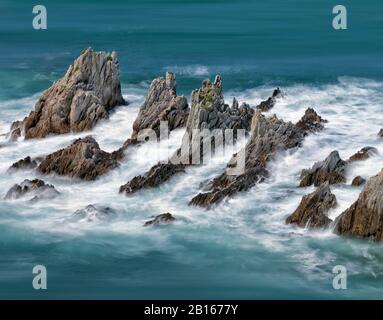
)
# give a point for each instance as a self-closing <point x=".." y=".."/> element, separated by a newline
<point x="242" y="248"/>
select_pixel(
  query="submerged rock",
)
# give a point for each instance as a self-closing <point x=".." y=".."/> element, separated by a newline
<point x="364" y="154"/>
<point x="332" y="170"/>
<point x="269" y="136"/>
<point x="24" y="164"/>
<point x="88" y="91"/>
<point x="364" y="218"/>
<point x="82" y="159"/>
<point x="208" y="111"/>
<point x="268" y="104"/>
<point x="380" y="134"/>
<point x="164" y="218"/>
<point x="36" y="188"/>
<point x="93" y="213"/>
<point x="358" y="181"/>
<point x="313" y="209"/>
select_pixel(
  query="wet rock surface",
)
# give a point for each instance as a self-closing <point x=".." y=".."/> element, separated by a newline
<point x="311" y="121"/>
<point x="94" y="212"/>
<point x="164" y="218"/>
<point x="269" y="136"/>
<point x="208" y="111"/>
<point x="88" y="91"/>
<point x="24" y="164"/>
<point x="313" y="209"/>
<point x="358" y="181"/>
<point x="332" y="170"/>
<point x="364" y="218"/>
<point x="268" y="104"/>
<point x="364" y="154"/>
<point x="36" y="189"/>
<point x="380" y="133"/>
<point x="82" y="159"/>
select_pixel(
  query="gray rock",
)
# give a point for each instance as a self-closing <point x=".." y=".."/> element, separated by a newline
<point x="36" y="188"/>
<point x="23" y="164"/>
<point x="94" y="212"/>
<point x="313" y="209"/>
<point x="88" y="91"/>
<point x="164" y="218"/>
<point x="332" y="170"/>
<point x="380" y="134"/>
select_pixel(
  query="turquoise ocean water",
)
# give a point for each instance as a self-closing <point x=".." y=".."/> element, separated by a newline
<point x="242" y="248"/>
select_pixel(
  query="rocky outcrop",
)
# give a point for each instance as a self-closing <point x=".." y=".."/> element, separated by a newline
<point x="380" y="134"/>
<point x="93" y="212"/>
<point x="364" y="218"/>
<point x="24" y="164"/>
<point x="332" y="170"/>
<point x="268" y="104"/>
<point x="364" y="154"/>
<point x="269" y="136"/>
<point x="311" y="121"/>
<point x="82" y="159"/>
<point x="36" y="189"/>
<point x="313" y="209"/>
<point x="358" y="181"/>
<point x="162" y="104"/>
<point x="164" y="218"/>
<point x="208" y="111"/>
<point x="88" y="91"/>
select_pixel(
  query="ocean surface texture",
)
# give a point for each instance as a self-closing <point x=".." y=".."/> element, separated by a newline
<point x="242" y="248"/>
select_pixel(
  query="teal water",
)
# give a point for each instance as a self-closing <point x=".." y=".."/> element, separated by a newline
<point x="241" y="249"/>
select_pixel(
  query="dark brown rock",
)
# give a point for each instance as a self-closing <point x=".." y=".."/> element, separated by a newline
<point x="164" y="218"/>
<point x="269" y="136"/>
<point x="82" y="159"/>
<point x="358" y="181"/>
<point x="364" y="218"/>
<point x="313" y="209"/>
<point x="36" y="188"/>
<point x="311" y="121"/>
<point x="332" y="170"/>
<point x="364" y="154"/>
<point x="268" y="104"/>
<point x="23" y="164"/>
<point x="88" y="91"/>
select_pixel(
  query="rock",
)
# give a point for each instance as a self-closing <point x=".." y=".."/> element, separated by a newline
<point x="162" y="104"/>
<point x="358" y="181"/>
<point x="15" y="131"/>
<point x="332" y="170"/>
<point x="364" y="154"/>
<point x="164" y="218"/>
<point x="380" y="134"/>
<point x="23" y="164"/>
<point x="269" y="136"/>
<point x="364" y="218"/>
<point x="268" y="104"/>
<point x="313" y="209"/>
<point x="311" y="121"/>
<point x="208" y="110"/>
<point x="82" y="159"/>
<point x="36" y="188"/>
<point x="93" y="213"/>
<point x="85" y="95"/>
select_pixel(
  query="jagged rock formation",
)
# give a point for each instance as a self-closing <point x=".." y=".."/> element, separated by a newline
<point x="364" y="154"/>
<point x="88" y="91"/>
<point x="208" y="111"/>
<point x="311" y="121"/>
<point x="269" y="136"/>
<point x="164" y="218"/>
<point x="380" y="134"/>
<point x="93" y="213"/>
<point x="82" y="159"/>
<point x="358" y="181"/>
<point x="332" y="170"/>
<point x="36" y="188"/>
<point x="24" y="164"/>
<point x="365" y="217"/>
<point x="313" y="209"/>
<point x="268" y="104"/>
<point x="161" y="104"/>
